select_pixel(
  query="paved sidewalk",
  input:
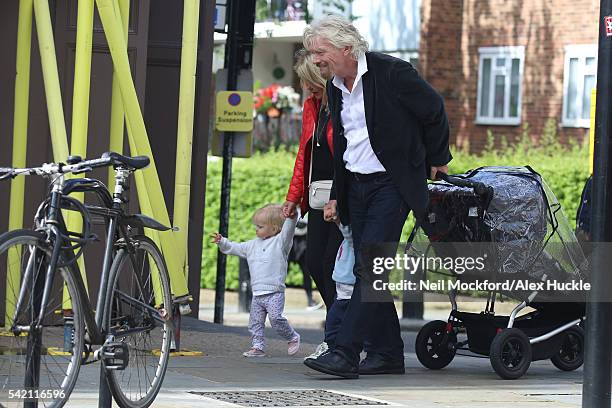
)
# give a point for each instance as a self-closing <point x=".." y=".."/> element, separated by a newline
<point x="467" y="382"/>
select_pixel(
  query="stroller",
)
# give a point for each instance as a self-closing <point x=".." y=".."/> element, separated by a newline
<point x="510" y="218"/>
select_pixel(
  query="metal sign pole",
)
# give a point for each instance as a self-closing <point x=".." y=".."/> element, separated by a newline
<point x="226" y="177"/>
<point x="238" y="54"/>
<point x="598" y="355"/>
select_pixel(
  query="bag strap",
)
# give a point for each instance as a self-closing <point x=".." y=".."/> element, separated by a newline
<point x="312" y="141"/>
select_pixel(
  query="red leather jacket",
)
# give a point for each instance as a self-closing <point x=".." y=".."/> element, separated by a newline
<point x="298" y="189"/>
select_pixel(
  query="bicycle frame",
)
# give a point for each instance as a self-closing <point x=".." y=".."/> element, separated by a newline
<point x="52" y="223"/>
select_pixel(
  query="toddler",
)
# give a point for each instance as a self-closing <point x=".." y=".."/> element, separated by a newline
<point x="345" y="281"/>
<point x="267" y="258"/>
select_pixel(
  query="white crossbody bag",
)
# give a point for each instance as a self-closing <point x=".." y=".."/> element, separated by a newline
<point x="318" y="191"/>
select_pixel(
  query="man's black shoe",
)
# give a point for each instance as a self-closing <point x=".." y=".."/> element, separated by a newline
<point x="333" y="363"/>
<point x="376" y="364"/>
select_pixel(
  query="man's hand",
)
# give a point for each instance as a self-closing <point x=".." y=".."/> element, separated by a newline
<point x="216" y="237"/>
<point x="436" y="169"/>
<point x="289" y="208"/>
<point x="330" y="213"/>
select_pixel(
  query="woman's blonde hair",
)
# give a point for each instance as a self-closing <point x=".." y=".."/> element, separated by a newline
<point x="307" y="71"/>
<point x="338" y="31"/>
<point x="270" y="214"/>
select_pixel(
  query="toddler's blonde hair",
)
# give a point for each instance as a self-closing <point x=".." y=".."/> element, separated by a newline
<point x="270" y="214"/>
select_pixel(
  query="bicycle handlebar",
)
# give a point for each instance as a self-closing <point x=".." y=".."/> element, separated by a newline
<point x="84" y="166"/>
<point x="5" y="172"/>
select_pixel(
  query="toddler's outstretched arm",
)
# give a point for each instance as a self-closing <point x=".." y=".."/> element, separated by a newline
<point x="230" y="248"/>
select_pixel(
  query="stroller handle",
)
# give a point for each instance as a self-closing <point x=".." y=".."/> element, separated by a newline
<point x="479" y="188"/>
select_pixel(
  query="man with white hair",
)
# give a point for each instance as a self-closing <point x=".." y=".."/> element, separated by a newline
<point x="391" y="133"/>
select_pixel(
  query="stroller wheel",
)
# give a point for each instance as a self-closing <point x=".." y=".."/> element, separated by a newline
<point x="435" y="348"/>
<point x="510" y="353"/>
<point x="571" y="353"/>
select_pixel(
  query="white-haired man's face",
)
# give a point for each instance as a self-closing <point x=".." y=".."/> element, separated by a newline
<point x="331" y="59"/>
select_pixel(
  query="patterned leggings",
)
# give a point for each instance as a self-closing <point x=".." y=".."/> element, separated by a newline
<point x="273" y="305"/>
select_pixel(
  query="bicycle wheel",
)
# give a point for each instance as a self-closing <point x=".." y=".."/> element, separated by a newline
<point x="138" y="313"/>
<point x="38" y="364"/>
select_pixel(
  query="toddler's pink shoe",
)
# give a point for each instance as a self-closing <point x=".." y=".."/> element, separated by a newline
<point x="294" y="345"/>
<point x="254" y="353"/>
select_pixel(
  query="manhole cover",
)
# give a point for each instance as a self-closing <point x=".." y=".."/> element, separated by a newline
<point x="300" y="398"/>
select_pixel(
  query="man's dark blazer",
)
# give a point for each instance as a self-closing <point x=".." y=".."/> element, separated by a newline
<point x="407" y="126"/>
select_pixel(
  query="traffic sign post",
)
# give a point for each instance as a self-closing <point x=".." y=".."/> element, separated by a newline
<point x="598" y="355"/>
<point x="238" y="55"/>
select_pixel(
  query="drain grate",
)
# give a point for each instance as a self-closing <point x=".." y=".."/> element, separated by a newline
<point x="299" y="398"/>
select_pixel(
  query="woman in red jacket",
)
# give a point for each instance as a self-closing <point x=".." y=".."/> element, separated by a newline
<point x="323" y="238"/>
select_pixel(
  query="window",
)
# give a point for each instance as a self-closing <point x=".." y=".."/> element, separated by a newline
<point x="499" y="85"/>
<point x="579" y="79"/>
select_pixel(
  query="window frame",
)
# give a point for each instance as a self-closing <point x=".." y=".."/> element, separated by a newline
<point x="492" y="53"/>
<point x="581" y="52"/>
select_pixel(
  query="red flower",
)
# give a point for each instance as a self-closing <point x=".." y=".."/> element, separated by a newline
<point x="268" y="101"/>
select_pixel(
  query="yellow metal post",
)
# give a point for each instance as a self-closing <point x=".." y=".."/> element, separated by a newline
<point x="148" y="185"/>
<point x="122" y="13"/>
<point x="82" y="75"/>
<point x="592" y="131"/>
<point x="110" y="17"/>
<point x="184" y="140"/>
<point x="80" y="104"/>
<point x="117" y="113"/>
<point x="53" y="95"/>
<point x="20" y="140"/>
<point x="146" y="208"/>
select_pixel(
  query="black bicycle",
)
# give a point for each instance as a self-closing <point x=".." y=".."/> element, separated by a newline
<point x="51" y="328"/>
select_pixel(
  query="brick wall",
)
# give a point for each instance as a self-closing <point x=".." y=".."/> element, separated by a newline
<point x="453" y="30"/>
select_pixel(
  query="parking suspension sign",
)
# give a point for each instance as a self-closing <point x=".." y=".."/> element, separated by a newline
<point x="234" y="111"/>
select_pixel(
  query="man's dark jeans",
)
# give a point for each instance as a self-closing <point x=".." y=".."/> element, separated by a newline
<point x="377" y="214"/>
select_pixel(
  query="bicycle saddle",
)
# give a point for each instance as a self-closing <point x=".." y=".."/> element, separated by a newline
<point x="138" y="162"/>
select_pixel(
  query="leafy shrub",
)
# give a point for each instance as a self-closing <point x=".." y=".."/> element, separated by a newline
<point x="264" y="178"/>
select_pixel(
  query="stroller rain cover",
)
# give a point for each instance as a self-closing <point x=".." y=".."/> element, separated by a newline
<point x="526" y="233"/>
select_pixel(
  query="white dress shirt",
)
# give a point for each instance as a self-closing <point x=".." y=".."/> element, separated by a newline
<point x="359" y="156"/>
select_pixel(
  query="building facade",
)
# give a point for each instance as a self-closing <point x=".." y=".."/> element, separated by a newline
<point x="392" y="27"/>
<point x="504" y="66"/>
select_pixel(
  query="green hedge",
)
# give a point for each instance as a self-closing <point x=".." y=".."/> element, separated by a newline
<point x="264" y="178"/>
